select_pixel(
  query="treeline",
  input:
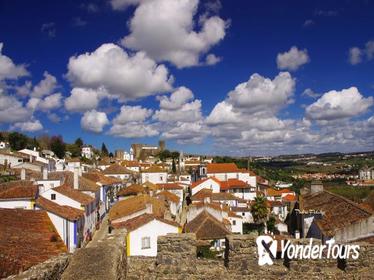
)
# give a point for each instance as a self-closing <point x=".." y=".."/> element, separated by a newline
<point x="18" y="141"/>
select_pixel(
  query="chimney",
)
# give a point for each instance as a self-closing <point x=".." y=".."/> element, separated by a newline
<point x="23" y="174"/>
<point x="45" y="173"/>
<point x="76" y="178"/>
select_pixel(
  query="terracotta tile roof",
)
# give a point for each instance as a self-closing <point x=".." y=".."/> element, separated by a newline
<point x="222" y="168"/>
<point x="223" y="196"/>
<point x="289" y="198"/>
<point x="18" y="190"/>
<point x="100" y="178"/>
<point x="213" y="205"/>
<point x="86" y="184"/>
<point x="274" y="192"/>
<point x="338" y="211"/>
<point x="169" y="186"/>
<point x="232" y="214"/>
<point x="202" y="194"/>
<point x="135" y="204"/>
<point x="150" y="186"/>
<point x="104" y="161"/>
<point x="64" y="211"/>
<point x="130" y="163"/>
<point x="154" y="169"/>
<point x="133" y="189"/>
<point x="73" y="160"/>
<point x="117" y="169"/>
<point x="206" y="227"/>
<point x="27" y="238"/>
<point x="233" y="184"/>
<point x="168" y="196"/>
<point x="137" y="222"/>
<point x="74" y="194"/>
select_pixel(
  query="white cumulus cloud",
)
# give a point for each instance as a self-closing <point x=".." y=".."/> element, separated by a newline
<point x="124" y="76"/>
<point x="167" y="31"/>
<point x="9" y="70"/>
<point x="293" y="59"/>
<point x="94" y="121"/>
<point x="335" y="105"/>
<point x="29" y="126"/>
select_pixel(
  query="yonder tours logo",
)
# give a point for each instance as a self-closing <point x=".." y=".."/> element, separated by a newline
<point x="267" y="250"/>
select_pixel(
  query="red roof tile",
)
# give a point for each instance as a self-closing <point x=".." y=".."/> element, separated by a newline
<point x="18" y="190"/>
<point x="222" y="168"/>
<point x="74" y="194"/>
<point x="27" y="238"/>
<point x="63" y="211"/>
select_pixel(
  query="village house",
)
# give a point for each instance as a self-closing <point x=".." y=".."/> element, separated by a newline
<point x="135" y="206"/>
<point x="239" y="188"/>
<point x="18" y="194"/>
<point x="109" y="187"/>
<point x="117" y="171"/>
<point x="210" y="183"/>
<point x="27" y="238"/>
<point x="173" y="201"/>
<point x="87" y="152"/>
<point x="9" y="159"/>
<point x="154" y="174"/>
<point x="132" y="165"/>
<point x="225" y="171"/>
<point x="143" y="231"/>
<point x="325" y="215"/>
<point x="131" y="191"/>
<point x="68" y="221"/>
<point x="104" y="163"/>
<point x="65" y="195"/>
<point x="175" y="188"/>
<point x="207" y="228"/>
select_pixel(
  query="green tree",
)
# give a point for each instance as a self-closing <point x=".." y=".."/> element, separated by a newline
<point x="270" y="224"/>
<point x="58" y="146"/>
<point x="174" y="155"/>
<point x="17" y="141"/>
<point x="164" y="155"/>
<point x="79" y="142"/>
<point x="74" y="149"/>
<point x="104" y="150"/>
<point x="259" y="210"/>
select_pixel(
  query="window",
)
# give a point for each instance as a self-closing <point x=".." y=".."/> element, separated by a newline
<point x="146" y="242"/>
<point x="243" y="214"/>
<point x="234" y="223"/>
<point x="161" y="178"/>
<point x="53" y="196"/>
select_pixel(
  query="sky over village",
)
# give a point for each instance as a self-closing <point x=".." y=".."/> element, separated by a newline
<point x="211" y="77"/>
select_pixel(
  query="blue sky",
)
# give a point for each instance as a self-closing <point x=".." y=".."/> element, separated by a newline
<point x="229" y="77"/>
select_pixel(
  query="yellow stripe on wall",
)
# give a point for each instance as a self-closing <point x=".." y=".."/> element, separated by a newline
<point x="128" y="244"/>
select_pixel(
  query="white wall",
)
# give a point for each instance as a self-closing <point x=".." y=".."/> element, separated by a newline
<point x="224" y="176"/>
<point x="12" y="160"/>
<point x="155" y="178"/>
<point x="153" y="229"/>
<point x="17" y="203"/>
<point x="47" y="184"/>
<point x="209" y="184"/>
<point x="236" y="225"/>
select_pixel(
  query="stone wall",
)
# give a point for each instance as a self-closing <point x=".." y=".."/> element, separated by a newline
<point x="177" y="259"/>
<point x="48" y="270"/>
<point x="105" y="259"/>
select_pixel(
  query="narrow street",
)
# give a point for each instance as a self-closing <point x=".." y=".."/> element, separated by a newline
<point x="100" y="233"/>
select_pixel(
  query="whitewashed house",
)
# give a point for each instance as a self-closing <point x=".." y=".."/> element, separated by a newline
<point x="118" y="171"/>
<point x="210" y="183"/>
<point x="143" y="231"/>
<point x="87" y="152"/>
<point x="155" y="175"/>
<point x="18" y="195"/>
<point x="68" y="221"/>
